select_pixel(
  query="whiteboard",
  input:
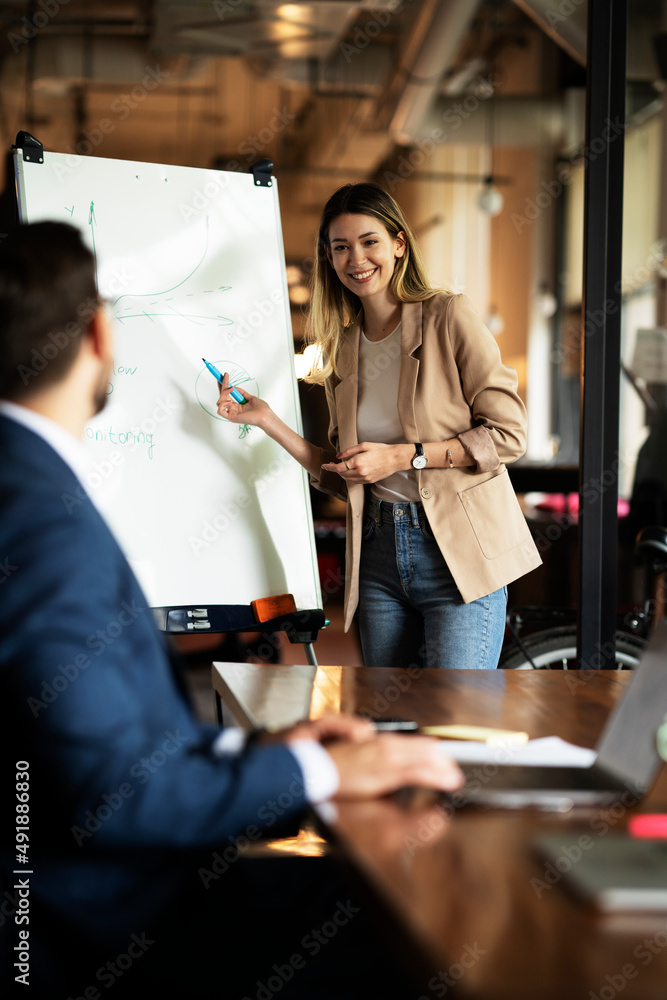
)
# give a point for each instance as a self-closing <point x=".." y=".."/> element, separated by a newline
<point x="192" y="266"/>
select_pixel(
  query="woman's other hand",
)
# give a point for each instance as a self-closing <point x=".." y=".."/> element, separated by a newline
<point x="369" y="462"/>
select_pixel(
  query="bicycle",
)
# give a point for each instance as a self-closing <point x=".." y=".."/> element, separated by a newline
<point x="555" y="647"/>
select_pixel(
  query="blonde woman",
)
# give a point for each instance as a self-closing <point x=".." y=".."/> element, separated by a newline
<point x="423" y="418"/>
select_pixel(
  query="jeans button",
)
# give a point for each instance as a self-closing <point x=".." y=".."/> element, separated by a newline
<point x="399" y="512"/>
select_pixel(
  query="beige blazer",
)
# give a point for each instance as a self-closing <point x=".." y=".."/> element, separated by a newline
<point x="452" y="384"/>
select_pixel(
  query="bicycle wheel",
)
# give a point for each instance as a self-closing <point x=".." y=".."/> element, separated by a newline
<point x="556" y="649"/>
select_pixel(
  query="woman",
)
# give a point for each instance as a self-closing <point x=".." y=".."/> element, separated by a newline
<point x="423" y="416"/>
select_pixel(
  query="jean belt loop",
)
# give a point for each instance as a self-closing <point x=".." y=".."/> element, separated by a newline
<point x="378" y="512"/>
<point x="414" y="513"/>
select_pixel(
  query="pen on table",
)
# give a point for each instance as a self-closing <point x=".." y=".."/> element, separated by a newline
<point x="235" y="394"/>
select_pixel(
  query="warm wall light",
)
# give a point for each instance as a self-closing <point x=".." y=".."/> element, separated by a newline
<point x="299" y="295"/>
<point x="297" y="285"/>
<point x="309" y="359"/>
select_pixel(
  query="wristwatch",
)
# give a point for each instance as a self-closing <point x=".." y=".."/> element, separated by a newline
<point x="420" y="459"/>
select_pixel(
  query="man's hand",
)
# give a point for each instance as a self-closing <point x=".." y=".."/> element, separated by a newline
<point x="391" y="761"/>
<point x="325" y="730"/>
<point x="371" y="764"/>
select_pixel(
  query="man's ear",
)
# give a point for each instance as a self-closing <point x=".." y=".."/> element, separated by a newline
<point x="100" y="334"/>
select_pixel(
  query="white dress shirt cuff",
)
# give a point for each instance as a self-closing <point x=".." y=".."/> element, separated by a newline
<point x="229" y="743"/>
<point x="320" y="774"/>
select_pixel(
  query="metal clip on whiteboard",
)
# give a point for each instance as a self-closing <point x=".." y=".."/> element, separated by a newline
<point x="33" y="150"/>
<point x="261" y="172"/>
<point x="201" y="618"/>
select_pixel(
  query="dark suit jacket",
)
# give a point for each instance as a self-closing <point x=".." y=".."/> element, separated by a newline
<point x="124" y="790"/>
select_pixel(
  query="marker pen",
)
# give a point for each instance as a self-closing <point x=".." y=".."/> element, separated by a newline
<point x="235" y="394"/>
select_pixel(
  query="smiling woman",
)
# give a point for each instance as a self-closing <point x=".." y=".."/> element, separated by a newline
<point x="423" y="416"/>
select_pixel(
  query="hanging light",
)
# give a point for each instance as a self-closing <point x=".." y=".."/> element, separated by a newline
<point x="495" y="322"/>
<point x="547" y="302"/>
<point x="490" y="199"/>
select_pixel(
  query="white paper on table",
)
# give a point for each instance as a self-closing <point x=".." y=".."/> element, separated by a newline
<point x="549" y="751"/>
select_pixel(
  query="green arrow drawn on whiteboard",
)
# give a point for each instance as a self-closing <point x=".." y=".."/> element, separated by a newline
<point x="92" y="222"/>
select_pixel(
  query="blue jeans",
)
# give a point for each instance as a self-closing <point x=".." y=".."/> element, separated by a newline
<point x="410" y="610"/>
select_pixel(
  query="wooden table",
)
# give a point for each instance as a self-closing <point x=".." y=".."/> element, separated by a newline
<point x="463" y="895"/>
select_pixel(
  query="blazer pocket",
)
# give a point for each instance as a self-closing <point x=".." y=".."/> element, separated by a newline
<point x="495" y="516"/>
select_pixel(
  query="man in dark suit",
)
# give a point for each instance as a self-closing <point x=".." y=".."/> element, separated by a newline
<point x="124" y="790"/>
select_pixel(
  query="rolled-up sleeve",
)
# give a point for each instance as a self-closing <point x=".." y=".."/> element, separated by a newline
<point x="490" y="388"/>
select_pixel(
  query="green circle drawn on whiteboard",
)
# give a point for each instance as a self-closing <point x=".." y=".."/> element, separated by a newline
<point x="207" y="389"/>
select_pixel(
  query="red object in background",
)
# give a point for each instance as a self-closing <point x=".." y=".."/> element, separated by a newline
<point x="331" y="576"/>
<point x="648" y="825"/>
<point x="568" y="503"/>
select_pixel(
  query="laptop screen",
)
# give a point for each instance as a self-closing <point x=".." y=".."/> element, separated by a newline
<point x="628" y="744"/>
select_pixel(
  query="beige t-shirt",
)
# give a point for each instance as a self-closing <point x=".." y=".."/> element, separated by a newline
<point x="377" y="409"/>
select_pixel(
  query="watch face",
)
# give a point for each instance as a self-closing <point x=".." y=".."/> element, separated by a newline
<point x="419" y="461"/>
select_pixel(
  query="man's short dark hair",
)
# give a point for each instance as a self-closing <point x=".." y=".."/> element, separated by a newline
<point x="48" y="295"/>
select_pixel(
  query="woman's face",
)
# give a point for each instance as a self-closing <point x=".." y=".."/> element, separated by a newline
<point x="363" y="254"/>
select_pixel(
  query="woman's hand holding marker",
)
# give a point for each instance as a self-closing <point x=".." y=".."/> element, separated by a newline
<point x="239" y="408"/>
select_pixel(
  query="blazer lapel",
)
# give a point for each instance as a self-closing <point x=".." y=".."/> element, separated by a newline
<point x="411" y="338"/>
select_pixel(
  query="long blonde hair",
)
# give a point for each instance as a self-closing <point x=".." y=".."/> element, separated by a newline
<point x="333" y="306"/>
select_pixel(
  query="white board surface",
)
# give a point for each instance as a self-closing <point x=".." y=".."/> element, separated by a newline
<point x="192" y="265"/>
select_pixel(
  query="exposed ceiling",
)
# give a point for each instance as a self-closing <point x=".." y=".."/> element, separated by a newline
<point x="327" y="88"/>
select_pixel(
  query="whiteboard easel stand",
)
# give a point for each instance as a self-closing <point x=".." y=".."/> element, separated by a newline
<point x="298" y="626"/>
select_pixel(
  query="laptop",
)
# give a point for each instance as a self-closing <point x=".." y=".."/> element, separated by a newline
<point x="627" y="758"/>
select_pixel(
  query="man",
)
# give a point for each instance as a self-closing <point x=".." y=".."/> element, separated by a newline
<point x="125" y="791"/>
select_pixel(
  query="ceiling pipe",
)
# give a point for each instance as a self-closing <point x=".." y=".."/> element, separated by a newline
<point x="568" y="29"/>
<point x="517" y="121"/>
<point x="440" y="41"/>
